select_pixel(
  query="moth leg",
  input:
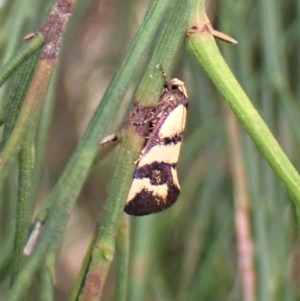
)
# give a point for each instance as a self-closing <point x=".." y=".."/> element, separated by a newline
<point x="142" y="153"/>
<point x="145" y="120"/>
<point x="109" y="139"/>
<point x="154" y="115"/>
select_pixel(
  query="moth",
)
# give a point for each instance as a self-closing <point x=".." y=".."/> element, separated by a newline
<point x="155" y="185"/>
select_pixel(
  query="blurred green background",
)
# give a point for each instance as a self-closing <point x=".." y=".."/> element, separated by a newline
<point x="232" y="235"/>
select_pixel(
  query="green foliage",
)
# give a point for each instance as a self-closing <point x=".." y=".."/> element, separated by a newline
<point x="232" y="234"/>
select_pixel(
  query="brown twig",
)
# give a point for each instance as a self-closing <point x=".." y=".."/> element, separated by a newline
<point x="242" y="210"/>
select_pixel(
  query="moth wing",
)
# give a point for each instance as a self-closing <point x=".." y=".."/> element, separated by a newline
<point x="155" y="186"/>
<point x="174" y="123"/>
<point x="165" y="141"/>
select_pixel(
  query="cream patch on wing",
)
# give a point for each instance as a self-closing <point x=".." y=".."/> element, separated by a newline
<point x="175" y="177"/>
<point x="139" y="184"/>
<point x="161" y="153"/>
<point x="174" y="123"/>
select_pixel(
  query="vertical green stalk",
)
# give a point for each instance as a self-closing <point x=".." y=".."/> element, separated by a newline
<point x="21" y="56"/>
<point x="143" y="257"/>
<point x="104" y="247"/>
<point x="46" y="286"/>
<point x="24" y="205"/>
<point x="42" y="134"/>
<point x="164" y="54"/>
<point x="16" y="98"/>
<point x="122" y="248"/>
<point x="46" y="276"/>
<point x="204" y="48"/>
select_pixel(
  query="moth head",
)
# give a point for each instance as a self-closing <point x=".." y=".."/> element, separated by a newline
<point x="176" y="84"/>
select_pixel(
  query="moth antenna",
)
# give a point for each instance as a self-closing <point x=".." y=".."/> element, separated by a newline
<point x="163" y="73"/>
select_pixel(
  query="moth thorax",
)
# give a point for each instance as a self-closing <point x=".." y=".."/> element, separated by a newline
<point x="176" y="84"/>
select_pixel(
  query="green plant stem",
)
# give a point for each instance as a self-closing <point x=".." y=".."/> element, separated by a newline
<point x="46" y="286"/>
<point x="203" y="47"/>
<point x="47" y="276"/>
<point x="84" y="264"/>
<point x="24" y="204"/>
<point x="21" y="56"/>
<point x="103" y="249"/>
<point x="6" y="258"/>
<point x="28" y="118"/>
<point x="168" y="45"/>
<point x="27" y="122"/>
<point x="42" y="134"/>
<point x="16" y="100"/>
<point x="143" y="256"/>
<point x="122" y="248"/>
<point x="17" y="95"/>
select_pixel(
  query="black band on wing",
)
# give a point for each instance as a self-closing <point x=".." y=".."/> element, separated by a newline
<point x="172" y="139"/>
<point x="159" y="173"/>
<point x="146" y="202"/>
